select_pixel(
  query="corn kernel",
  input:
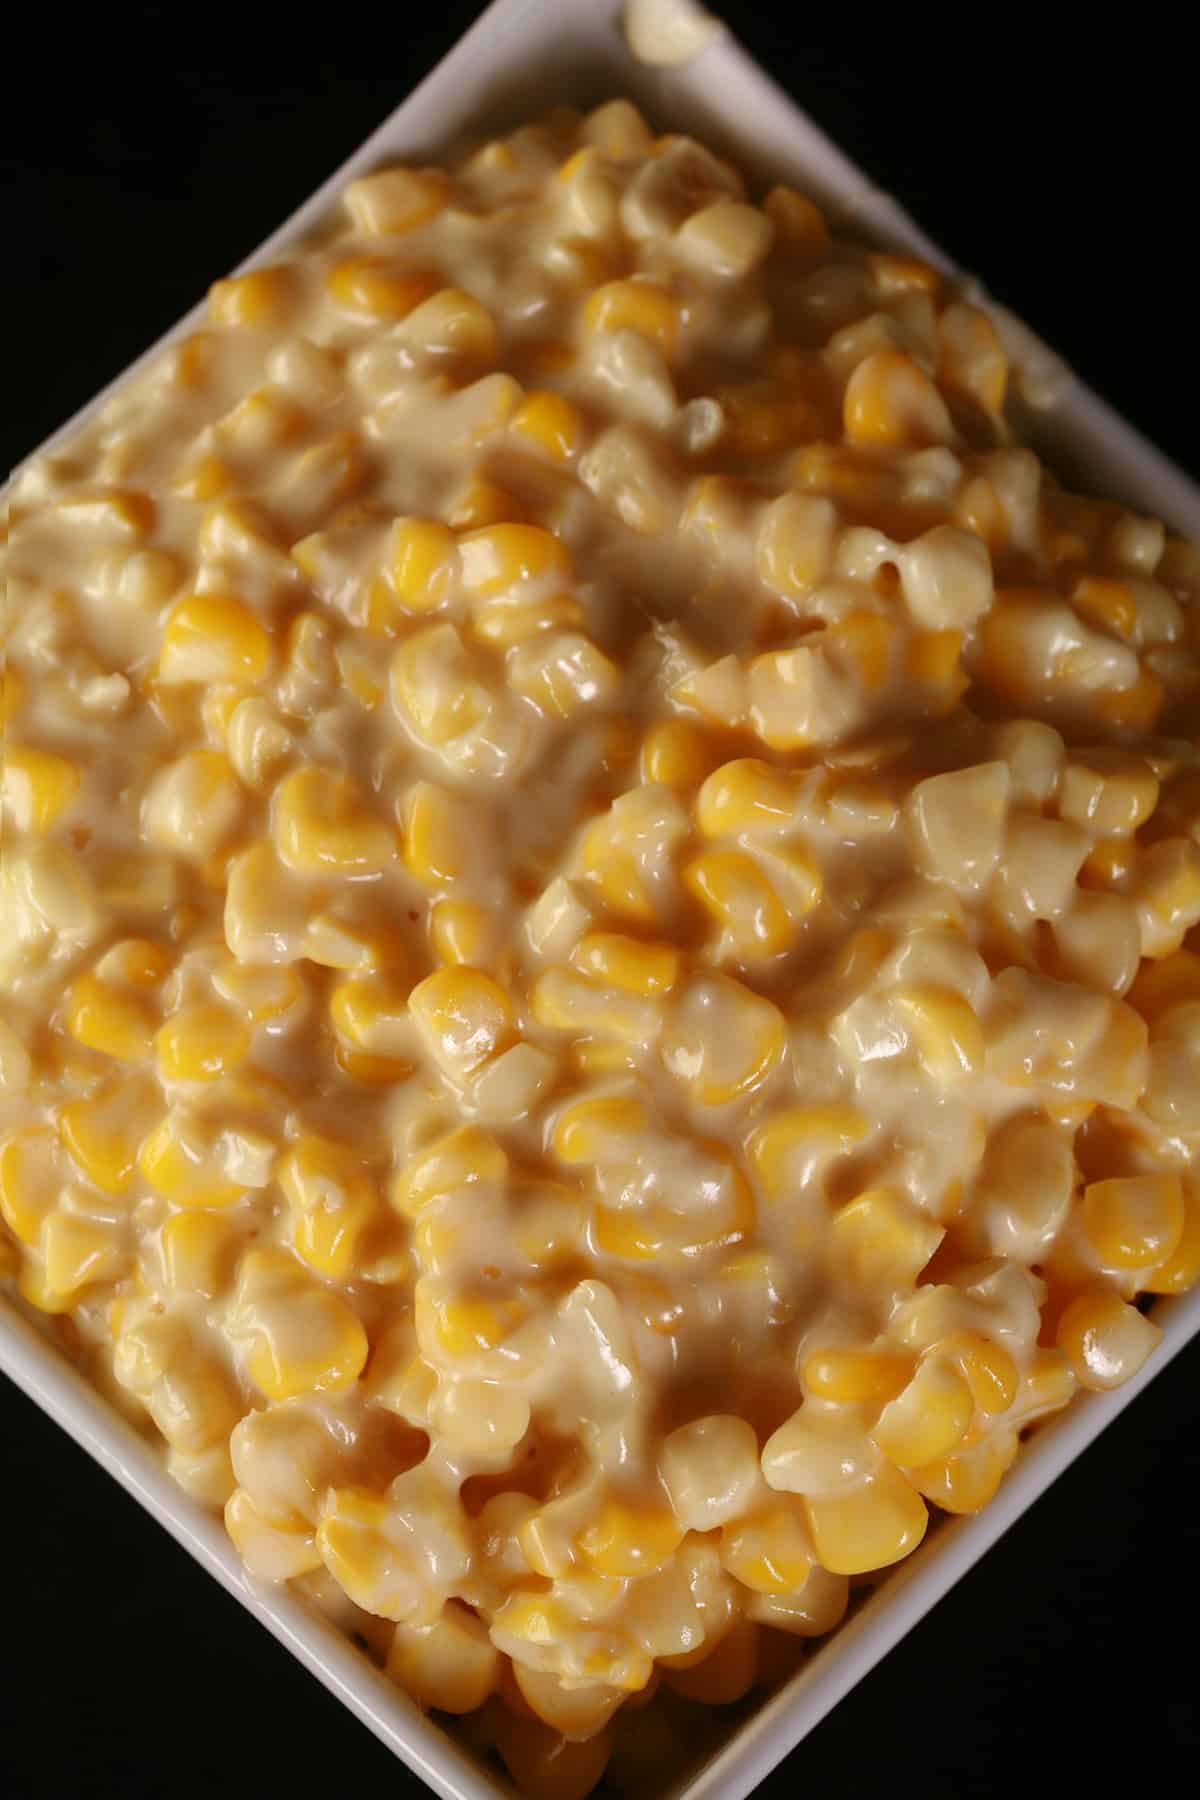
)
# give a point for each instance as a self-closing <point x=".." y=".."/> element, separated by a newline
<point x="370" y="1013"/>
<point x="972" y="359"/>
<point x="320" y="826"/>
<point x="12" y="693"/>
<point x="929" y="1419"/>
<point x="550" y="423"/>
<point x="723" y="1039"/>
<point x="604" y="1129"/>
<point x="451" y="1665"/>
<point x="101" y="1132"/>
<point x="880" y="1241"/>
<point x="768" y="1550"/>
<point x="676" y="753"/>
<point x="423" y="562"/>
<point x="180" y="1159"/>
<point x="1181" y="1270"/>
<point x="1134" y="1221"/>
<point x="988" y="1369"/>
<point x="497" y="558"/>
<point x="794" y="1147"/>
<point x="627" y="1539"/>
<point x="332" y="1201"/>
<point x="213" y="637"/>
<point x="868" y="1528"/>
<point x="483" y="502"/>
<point x="200" y="1042"/>
<point x="968" y="1480"/>
<point x="30" y="1180"/>
<point x="735" y="891"/>
<point x="856" y="1377"/>
<point x="891" y="403"/>
<point x="546" y="1766"/>
<point x="78" y="1251"/>
<point x="199" y="1251"/>
<point x="299" y="1337"/>
<point x="440" y="835"/>
<point x="254" y="301"/>
<point x="37" y="786"/>
<point x="642" y="306"/>
<point x="104" y="1018"/>
<point x="461" y="1158"/>
<point x="948" y="1035"/>
<point x="391" y="201"/>
<point x="799" y="225"/>
<point x="373" y="287"/>
<point x="462" y="931"/>
<point x="1106" y="1340"/>
<point x="627" y="963"/>
<point x="565" y="1001"/>
<point x="464" y="1018"/>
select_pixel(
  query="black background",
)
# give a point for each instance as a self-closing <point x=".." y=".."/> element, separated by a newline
<point x="150" y="148"/>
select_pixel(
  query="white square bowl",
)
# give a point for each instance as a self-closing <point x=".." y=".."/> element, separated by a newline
<point x="503" y="70"/>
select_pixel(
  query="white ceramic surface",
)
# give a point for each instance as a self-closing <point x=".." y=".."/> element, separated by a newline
<point x="502" y="71"/>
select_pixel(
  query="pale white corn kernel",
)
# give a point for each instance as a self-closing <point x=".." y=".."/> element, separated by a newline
<point x="710" y="1470"/>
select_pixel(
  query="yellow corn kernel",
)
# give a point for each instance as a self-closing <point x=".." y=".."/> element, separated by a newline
<point x="746" y="796"/>
<point x="929" y="1419"/>
<point x="601" y="1056"/>
<point x="642" y="306"/>
<point x="462" y="1158"/>
<point x="1133" y="1221"/>
<point x="213" y="637"/>
<point x="37" y="786"/>
<point x="373" y="287"/>
<point x="550" y="423"/>
<point x="1166" y="887"/>
<point x="948" y="1035"/>
<point x="256" y="300"/>
<point x="732" y="887"/>
<point x="988" y="1369"/>
<point x="627" y="1539"/>
<point x="723" y="1039"/>
<point x="880" y="1241"/>
<point x="203" y="478"/>
<point x="891" y="404"/>
<point x="1106" y="604"/>
<point x="868" y="1528"/>
<point x="1109" y="798"/>
<point x="865" y="640"/>
<point x="299" y="1337"/>
<point x="1181" y="1270"/>
<point x="799" y="224"/>
<point x="933" y="660"/>
<point x="423" y="560"/>
<point x="102" y="1131"/>
<point x="12" y="693"/>
<point x="793" y="1147"/>
<point x="121" y="510"/>
<point x="332" y="1201"/>
<point x="462" y="931"/>
<point x="371" y="1014"/>
<point x="460" y="1326"/>
<point x="104" y="1018"/>
<point x="856" y="1377"/>
<point x="968" y="1480"/>
<point x="594" y="1131"/>
<point x="768" y="1550"/>
<point x="972" y="358"/>
<point x="35" y="1290"/>
<point x="484" y="502"/>
<point x="565" y="1001"/>
<point x="497" y="558"/>
<point x="200" y="1042"/>
<point x="10" y="1258"/>
<point x="562" y="673"/>
<point x="199" y="1251"/>
<point x="180" y="1160"/>
<point x="391" y="201"/>
<point x="30" y="1180"/>
<point x="1107" y="864"/>
<point x="453" y="328"/>
<point x="261" y="991"/>
<point x="451" y="1665"/>
<point x="627" y="963"/>
<point x="439" y="835"/>
<point x="78" y="1252"/>
<point x="463" y="1017"/>
<point x="321" y="828"/>
<point x="1133" y="708"/>
<point x="353" y="1542"/>
<point x="547" y="1766"/>
<point x="1105" y="1339"/>
<point x="676" y="753"/>
<point x="337" y="943"/>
